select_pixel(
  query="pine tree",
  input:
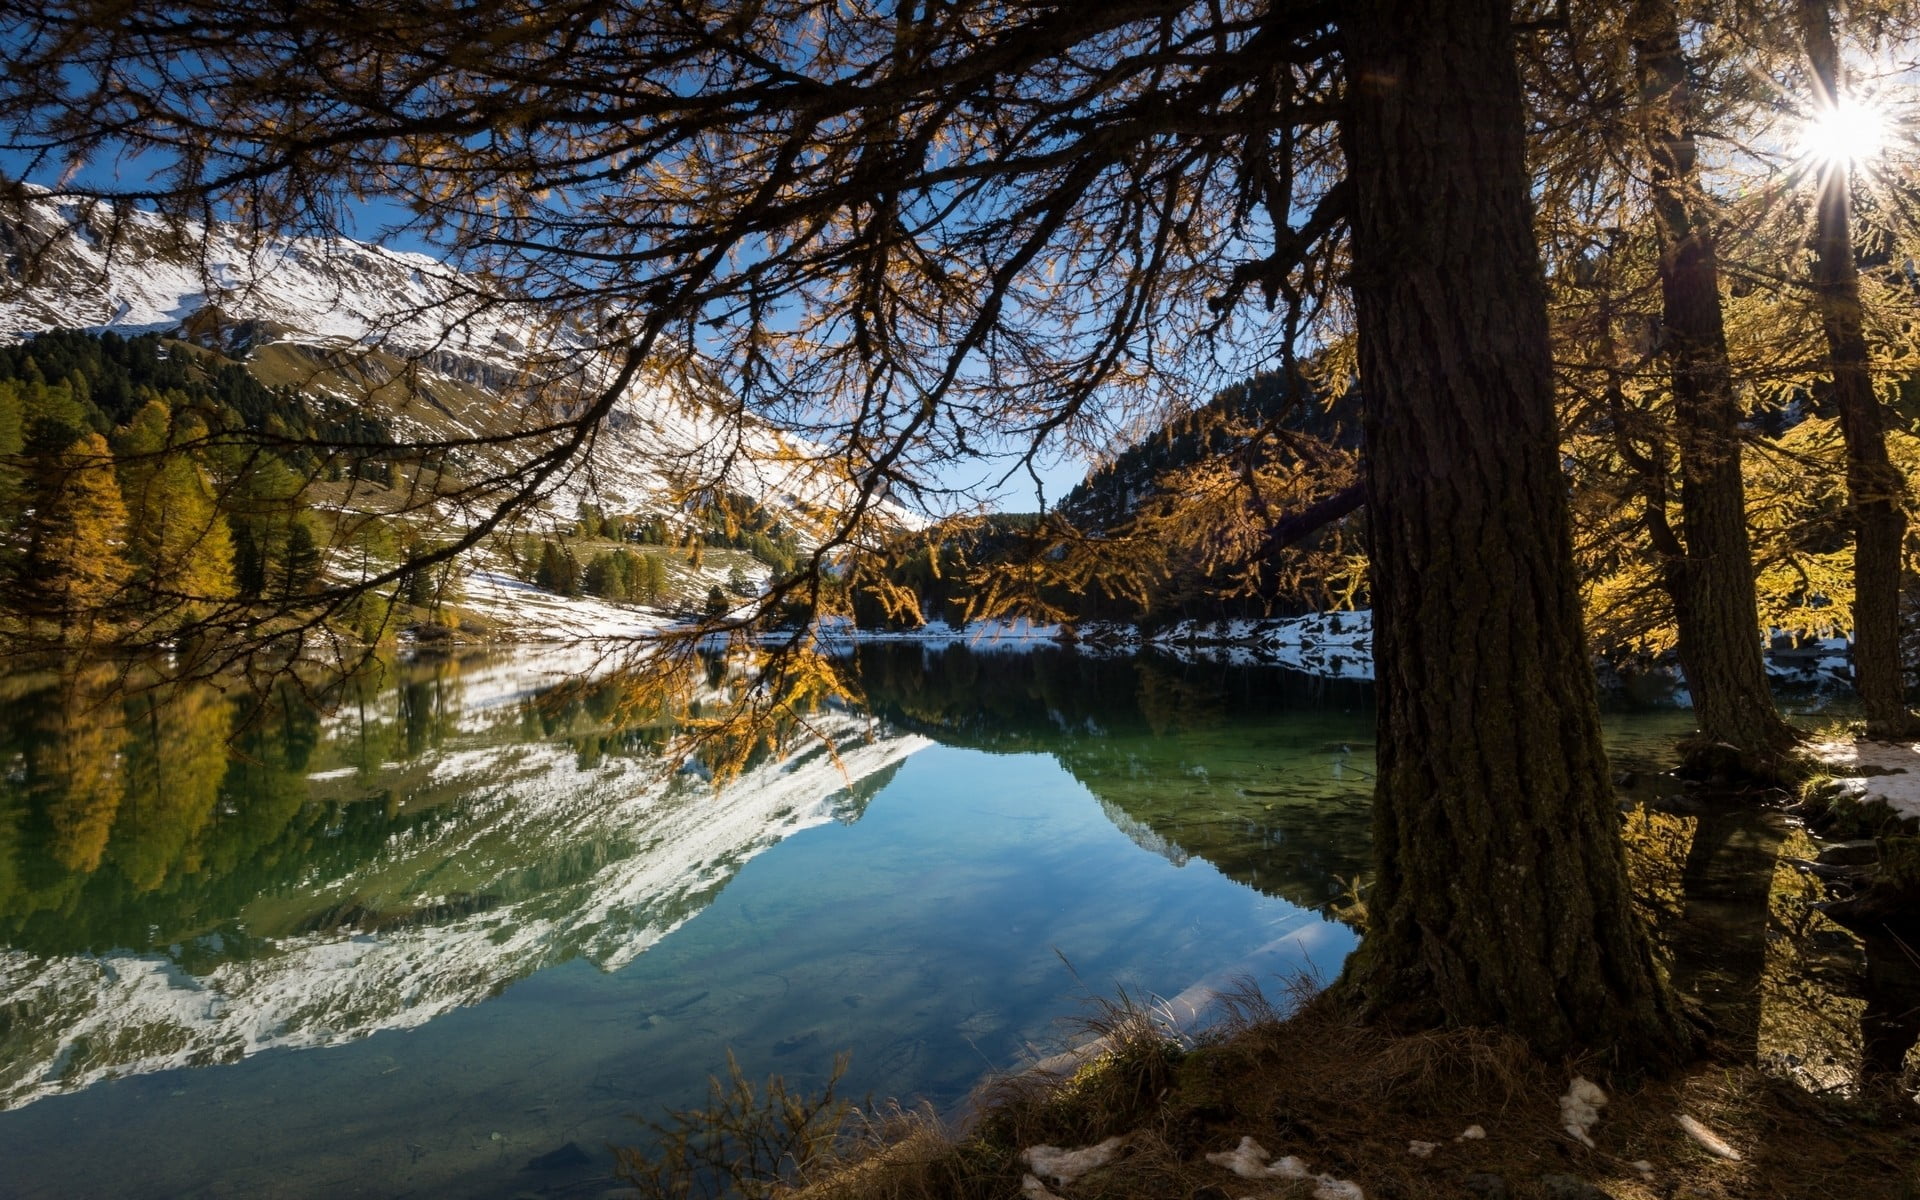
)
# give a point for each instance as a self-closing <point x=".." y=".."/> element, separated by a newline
<point x="265" y="504"/>
<point x="603" y="578"/>
<point x="1492" y="778"/>
<point x="12" y="442"/>
<point x="12" y="419"/>
<point x="1875" y="487"/>
<point x="559" y="571"/>
<point x="371" y="548"/>
<point x="651" y="578"/>
<point x="301" y="561"/>
<point x="1133" y="174"/>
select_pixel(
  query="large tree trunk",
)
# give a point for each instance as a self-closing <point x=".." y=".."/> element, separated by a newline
<point x="1875" y="487"/>
<point x="1501" y="893"/>
<point x="1714" y="605"/>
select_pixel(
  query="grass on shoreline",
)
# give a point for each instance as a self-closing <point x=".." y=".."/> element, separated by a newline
<point x="1348" y="1099"/>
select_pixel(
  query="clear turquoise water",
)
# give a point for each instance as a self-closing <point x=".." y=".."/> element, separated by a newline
<point x="408" y="948"/>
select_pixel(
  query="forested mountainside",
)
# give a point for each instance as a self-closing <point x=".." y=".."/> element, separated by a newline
<point x="1114" y="491"/>
<point x="297" y="412"/>
<point x="227" y="518"/>
<point x="431" y="352"/>
<point x="1177" y="526"/>
<point x="342" y="407"/>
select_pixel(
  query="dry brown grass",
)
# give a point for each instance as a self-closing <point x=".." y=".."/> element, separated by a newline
<point x="1348" y="1098"/>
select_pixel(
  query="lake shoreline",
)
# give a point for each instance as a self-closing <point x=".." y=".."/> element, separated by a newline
<point x="1335" y="644"/>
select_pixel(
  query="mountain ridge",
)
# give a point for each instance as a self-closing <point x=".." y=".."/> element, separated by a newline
<point x="321" y="312"/>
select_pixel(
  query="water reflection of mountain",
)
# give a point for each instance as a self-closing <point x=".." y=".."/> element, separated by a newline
<point x="1263" y="772"/>
<point x="177" y="888"/>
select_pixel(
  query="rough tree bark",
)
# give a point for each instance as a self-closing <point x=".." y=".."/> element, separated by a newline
<point x="1875" y="487"/>
<point x="1501" y="893"/>
<point x="1714" y="604"/>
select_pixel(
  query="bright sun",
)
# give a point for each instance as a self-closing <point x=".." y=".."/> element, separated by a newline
<point x="1845" y="135"/>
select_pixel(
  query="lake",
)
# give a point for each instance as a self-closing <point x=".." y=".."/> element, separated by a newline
<point x="417" y="943"/>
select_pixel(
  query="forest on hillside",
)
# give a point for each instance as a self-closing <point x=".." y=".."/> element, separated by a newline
<point x="149" y="485"/>
<point x="153" y="487"/>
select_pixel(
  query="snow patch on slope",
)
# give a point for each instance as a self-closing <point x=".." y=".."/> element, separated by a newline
<point x="340" y="295"/>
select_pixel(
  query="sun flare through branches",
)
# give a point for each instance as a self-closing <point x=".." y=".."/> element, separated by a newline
<point x="1844" y="134"/>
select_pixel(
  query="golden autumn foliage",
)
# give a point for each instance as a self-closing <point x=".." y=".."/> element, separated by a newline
<point x="75" y="560"/>
<point x="179" y="543"/>
<point x="80" y="764"/>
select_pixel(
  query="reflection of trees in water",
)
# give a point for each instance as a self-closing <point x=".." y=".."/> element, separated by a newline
<point x="144" y="818"/>
<point x="175" y="761"/>
<point x="1811" y="995"/>
<point x="591" y="716"/>
<point x="76" y="766"/>
<point x="1166" y="748"/>
<point x="1890" y="1022"/>
<point x="1778" y="979"/>
<point x="395" y="713"/>
<point x="1703" y="880"/>
<point x="990" y="696"/>
<point x="1234" y="764"/>
<point x="1172" y="700"/>
<point x="148" y="821"/>
<point x="316" y="908"/>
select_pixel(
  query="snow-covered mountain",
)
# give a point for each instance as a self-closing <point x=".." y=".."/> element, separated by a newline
<point x="345" y="317"/>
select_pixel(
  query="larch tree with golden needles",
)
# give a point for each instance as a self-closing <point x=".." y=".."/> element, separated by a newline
<point x="1876" y="488"/>
<point x="905" y="228"/>
<point x="1715" y="605"/>
<point x="74" y="569"/>
<point x="179" y="541"/>
<point x="1757" y="332"/>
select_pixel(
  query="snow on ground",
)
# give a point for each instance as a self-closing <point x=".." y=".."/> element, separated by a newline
<point x="341" y="295"/>
<point x="1333" y="645"/>
<point x="323" y="291"/>
<point x="535" y="615"/>
<point x="1109" y="635"/>
<point x="1818" y="662"/>
<point x="1016" y="633"/>
<point x="1888" y="772"/>
<point x="1351" y="630"/>
<point x="1329" y="645"/>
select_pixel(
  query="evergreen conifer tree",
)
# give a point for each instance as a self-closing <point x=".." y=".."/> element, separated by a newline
<point x="301" y="563"/>
<point x="651" y="578"/>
